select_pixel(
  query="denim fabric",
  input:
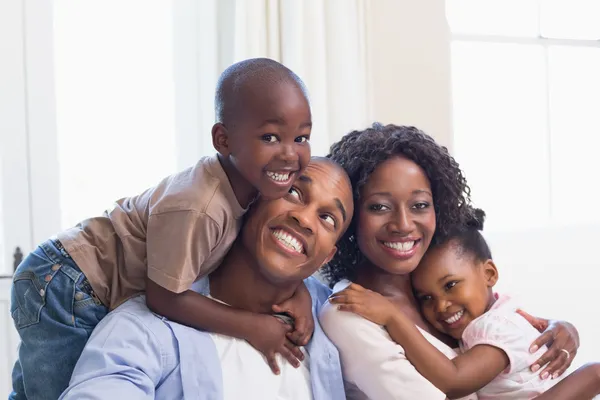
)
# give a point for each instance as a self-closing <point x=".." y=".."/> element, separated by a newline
<point x="54" y="310"/>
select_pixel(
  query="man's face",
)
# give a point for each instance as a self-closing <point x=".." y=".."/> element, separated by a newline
<point x="294" y="236"/>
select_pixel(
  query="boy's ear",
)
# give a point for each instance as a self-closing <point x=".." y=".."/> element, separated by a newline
<point x="490" y="273"/>
<point x="220" y="139"/>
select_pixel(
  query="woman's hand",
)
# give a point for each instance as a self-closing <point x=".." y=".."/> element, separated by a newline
<point x="366" y="303"/>
<point x="560" y="337"/>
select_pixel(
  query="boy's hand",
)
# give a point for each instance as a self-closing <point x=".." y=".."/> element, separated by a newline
<point x="299" y="307"/>
<point x="366" y="303"/>
<point x="269" y="337"/>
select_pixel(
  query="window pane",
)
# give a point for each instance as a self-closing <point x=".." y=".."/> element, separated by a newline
<point x="575" y="133"/>
<point x="115" y="101"/>
<point x="493" y="17"/>
<point x="573" y="19"/>
<point x="500" y="135"/>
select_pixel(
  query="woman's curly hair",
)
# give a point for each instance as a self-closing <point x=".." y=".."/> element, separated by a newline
<point x="360" y="152"/>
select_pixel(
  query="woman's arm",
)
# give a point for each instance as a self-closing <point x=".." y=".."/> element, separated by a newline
<point x="582" y="384"/>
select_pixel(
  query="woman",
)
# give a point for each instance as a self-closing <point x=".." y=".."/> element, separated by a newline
<point x="408" y="190"/>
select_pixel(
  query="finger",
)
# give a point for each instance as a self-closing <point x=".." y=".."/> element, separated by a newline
<point x="273" y="363"/>
<point x="289" y="356"/>
<point x="295" y="337"/>
<point x="559" y="362"/>
<point x="295" y="350"/>
<point x="544" y="339"/>
<point x="349" y="308"/>
<point x="540" y="324"/>
<point x="356" y="286"/>
<point x="550" y="355"/>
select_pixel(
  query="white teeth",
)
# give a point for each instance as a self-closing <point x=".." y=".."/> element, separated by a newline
<point x="288" y="240"/>
<point x="402" y="246"/>
<point x="276" y="176"/>
<point x="455" y="317"/>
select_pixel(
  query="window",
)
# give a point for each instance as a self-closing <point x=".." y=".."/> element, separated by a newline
<point x="526" y="91"/>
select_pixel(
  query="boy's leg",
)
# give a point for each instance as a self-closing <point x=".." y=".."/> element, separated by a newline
<point x="54" y="312"/>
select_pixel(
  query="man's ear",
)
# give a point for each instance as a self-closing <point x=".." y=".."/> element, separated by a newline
<point x="220" y="139"/>
<point x="330" y="256"/>
<point x="490" y="273"/>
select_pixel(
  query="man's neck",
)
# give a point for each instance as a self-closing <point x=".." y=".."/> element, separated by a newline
<point x="239" y="283"/>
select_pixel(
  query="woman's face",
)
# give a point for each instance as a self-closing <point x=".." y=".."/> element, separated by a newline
<point x="396" y="217"/>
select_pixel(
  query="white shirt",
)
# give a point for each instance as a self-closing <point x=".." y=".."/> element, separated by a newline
<point x="238" y="357"/>
<point x="503" y="328"/>
<point x="374" y="366"/>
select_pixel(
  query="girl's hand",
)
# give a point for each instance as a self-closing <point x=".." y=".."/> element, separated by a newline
<point x="366" y="303"/>
<point x="560" y="337"/>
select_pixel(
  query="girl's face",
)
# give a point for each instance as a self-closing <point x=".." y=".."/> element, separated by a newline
<point x="453" y="289"/>
<point x="396" y="217"/>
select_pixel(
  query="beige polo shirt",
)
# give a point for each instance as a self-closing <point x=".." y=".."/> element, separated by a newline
<point x="174" y="233"/>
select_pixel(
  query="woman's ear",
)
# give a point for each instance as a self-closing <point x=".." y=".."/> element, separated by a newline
<point x="490" y="272"/>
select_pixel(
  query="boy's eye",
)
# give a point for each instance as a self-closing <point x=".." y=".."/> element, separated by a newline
<point x="269" y="138"/>
<point x="378" y="207"/>
<point x="301" y="139"/>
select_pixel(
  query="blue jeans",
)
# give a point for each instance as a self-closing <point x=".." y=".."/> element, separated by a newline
<point x="54" y="310"/>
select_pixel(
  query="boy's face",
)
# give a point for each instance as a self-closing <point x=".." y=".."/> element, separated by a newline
<point x="268" y="143"/>
<point x="453" y="289"/>
<point x="293" y="236"/>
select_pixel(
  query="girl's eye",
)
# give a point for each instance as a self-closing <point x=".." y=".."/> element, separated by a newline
<point x="378" y="207"/>
<point x="269" y="138"/>
<point x="421" y="206"/>
<point x="302" y="139"/>
<point x="450" y="285"/>
<point x="294" y="192"/>
<point x="424" y="298"/>
<point x="329" y="219"/>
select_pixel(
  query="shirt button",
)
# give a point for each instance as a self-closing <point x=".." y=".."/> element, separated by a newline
<point x="55" y="267"/>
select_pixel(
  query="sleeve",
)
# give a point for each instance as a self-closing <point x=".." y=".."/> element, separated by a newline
<point x="121" y="360"/>
<point x="372" y="360"/>
<point x="178" y="243"/>
<point x="506" y="333"/>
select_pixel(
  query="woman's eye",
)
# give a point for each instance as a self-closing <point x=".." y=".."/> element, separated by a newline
<point x="302" y="139"/>
<point x="421" y="206"/>
<point x="378" y="207"/>
<point x="294" y="192"/>
<point x="329" y="219"/>
<point x="269" y="138"/>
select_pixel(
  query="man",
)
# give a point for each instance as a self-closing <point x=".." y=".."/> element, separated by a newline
<point x="135" y="354"/>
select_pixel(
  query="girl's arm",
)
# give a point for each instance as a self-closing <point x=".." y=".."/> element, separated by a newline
<point x="459" y="377"/>
<point x="582" y="384"/>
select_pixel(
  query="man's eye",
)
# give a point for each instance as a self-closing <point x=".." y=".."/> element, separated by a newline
<point x="329" y="219"/>
<point x="302" y="139"/>
<point x="294" y="192"/>
<point x="269" y="138"/>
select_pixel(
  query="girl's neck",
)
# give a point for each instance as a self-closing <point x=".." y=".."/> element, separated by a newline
<point x="398" y="288"/>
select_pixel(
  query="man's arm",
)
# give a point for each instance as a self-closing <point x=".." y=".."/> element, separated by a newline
<point x="121" y="360"/>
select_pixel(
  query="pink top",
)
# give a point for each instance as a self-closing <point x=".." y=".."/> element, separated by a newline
<point x="503" y="328"/>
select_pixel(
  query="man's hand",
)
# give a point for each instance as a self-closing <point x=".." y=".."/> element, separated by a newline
<point x="269" y="336"/>
<point x="299" y="307"/>
<point x="562" y="340"/>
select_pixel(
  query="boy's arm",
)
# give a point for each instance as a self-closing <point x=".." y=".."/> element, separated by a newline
<point x="264" y="332"/>
<point x="299" y="307"/>
<point x="582" y="384"/>
<point x="465" y="374"/>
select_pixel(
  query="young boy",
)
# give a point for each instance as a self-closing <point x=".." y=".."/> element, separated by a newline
<point x="166" y="238"/>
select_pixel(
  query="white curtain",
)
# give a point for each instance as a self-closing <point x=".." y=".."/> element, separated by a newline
<point x="324" y="42"/>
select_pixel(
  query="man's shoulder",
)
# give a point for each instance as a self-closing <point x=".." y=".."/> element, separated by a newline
<point x="137" y="313"/>
<point x="318" y="291"/>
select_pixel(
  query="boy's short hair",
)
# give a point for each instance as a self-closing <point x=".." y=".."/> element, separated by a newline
<point x="248" y="76"/>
